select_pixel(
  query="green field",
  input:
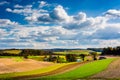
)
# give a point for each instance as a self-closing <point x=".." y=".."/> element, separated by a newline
<point x="38" y="71"/>
<point x="15" y="58"/>
<point x="76" y="52"/>
<point x="38" y="58"/>
<point x="12" y="51"/>
<point x="84" y="71"/>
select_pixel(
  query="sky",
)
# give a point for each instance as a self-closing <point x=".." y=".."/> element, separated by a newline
<point x="46" y="24"/>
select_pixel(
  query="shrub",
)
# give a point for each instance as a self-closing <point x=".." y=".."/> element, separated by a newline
<point x="70" y="57"/>
<point x="82" y="56"/>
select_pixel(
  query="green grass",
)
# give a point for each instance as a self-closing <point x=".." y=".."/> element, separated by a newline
<point x="18" y="59"/>
<point x="38" y="58"/>
<point x="38" y="71"/>
<point x="84" y="71"/>
<point x="76" y="52"/>
<point x="15" y="58"/>
<point x="12" y="51"/>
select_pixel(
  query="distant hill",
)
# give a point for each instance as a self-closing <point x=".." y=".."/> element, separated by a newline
<point x="62" y="49"/>
<point x="96" y="49"/>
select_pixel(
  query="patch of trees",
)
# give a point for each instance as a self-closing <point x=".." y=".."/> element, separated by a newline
<point x="94" y="55"/>
<point x="33" y="52"/>
<point x="82" y="56"/>
<point x="26" y="52"/>
<point x="111" y="51"/>
<point x="2" y="53"/>
<point x="96" y="49"/>
<point x="71" y="57"/>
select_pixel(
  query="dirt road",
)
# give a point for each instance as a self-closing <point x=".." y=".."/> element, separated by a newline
<point x="113" y="71"/>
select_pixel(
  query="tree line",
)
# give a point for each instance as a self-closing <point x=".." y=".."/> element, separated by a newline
<point x="31" y="52"/>
<point x="111" y="51"/>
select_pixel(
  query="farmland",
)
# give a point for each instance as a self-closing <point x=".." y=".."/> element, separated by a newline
<point x="33" y="72"/>
<point x="83" y="71"/>
<point x="55" y="65"/>
<point x="76" y="52"/>
<point x="12" y="51"/>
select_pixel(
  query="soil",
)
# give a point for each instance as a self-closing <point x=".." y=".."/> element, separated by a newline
<point x="9" y="65"/>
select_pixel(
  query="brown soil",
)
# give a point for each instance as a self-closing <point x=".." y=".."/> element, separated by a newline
<point x="9" y="65"/>
<point x="113" y="71"/>
<point x="57" y="71"/>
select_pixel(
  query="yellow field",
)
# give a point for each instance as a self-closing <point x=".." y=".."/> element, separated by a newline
<point x="12" y="51"/>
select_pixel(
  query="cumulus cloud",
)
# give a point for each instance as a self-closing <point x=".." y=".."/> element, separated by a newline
<point x="18" y="6"/>
<point x="4" y="22"/>
<point x="60" y="17"/>
<point x="3" y="33"/>
<point x="22" y="10"/>
<point x="113" y="13"/>
<point x="4" y="2"/>
<point x="25" y="11"/>
<point x="43" y="33"/>
<point x="62" y="29"/>
<point x="59" y="14"/>
<point x="42" y="4"/>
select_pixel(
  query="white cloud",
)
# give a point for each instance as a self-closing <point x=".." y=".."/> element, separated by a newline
<point x="4" y="22"/>
<point x="18" y="6"/>
<point x="111" y="31"/>
<point x="4" y="2"/>
<point x="3" y="33"/>
<point x="22" y="10"/>
<point x="109" y="43"/>
<point x="8" y="9"/>
<point x="113" y="13"/>
<point x="43" y="16"/>
<point x="42" y="4"/>
<point x="63" y="30"/>
<point x="59" y="14"/>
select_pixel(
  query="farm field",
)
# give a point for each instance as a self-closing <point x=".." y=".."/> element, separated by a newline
<point x="12" y="51"/>
<point x="16" y="70"/>
<point x="8" y="65"/>
<point x="76" y="52"/>
<point x="113" y="71"/>
<point x="10" y="68"/>
<point x="18" y="67"/>
<point x="82" y="72"/>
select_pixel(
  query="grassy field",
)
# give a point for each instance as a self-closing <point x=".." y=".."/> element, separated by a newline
<point x="12" y="51"/>
<point x="82" y="72"/>
<point x="38" y="58"/>
<point x="76" y="52"/>
<point x="38" y="71"/>
<point x="15" y="58"/>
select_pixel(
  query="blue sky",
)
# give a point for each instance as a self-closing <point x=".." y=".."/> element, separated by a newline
<point x="59" y="23"/>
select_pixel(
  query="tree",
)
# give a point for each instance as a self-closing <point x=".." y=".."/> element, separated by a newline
<point x="70" y="57"/>
<point x="94" y="55"/>
<point x="25" y="53"/>
<point x="82" y="56"/>
<point x="111" y="51"/>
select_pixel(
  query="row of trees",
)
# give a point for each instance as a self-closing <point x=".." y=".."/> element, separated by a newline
<point x="26" y="52"/>
<point x="68" y="57"/>
<point x="111" y="51"/>
<point x="35" y="52"/>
